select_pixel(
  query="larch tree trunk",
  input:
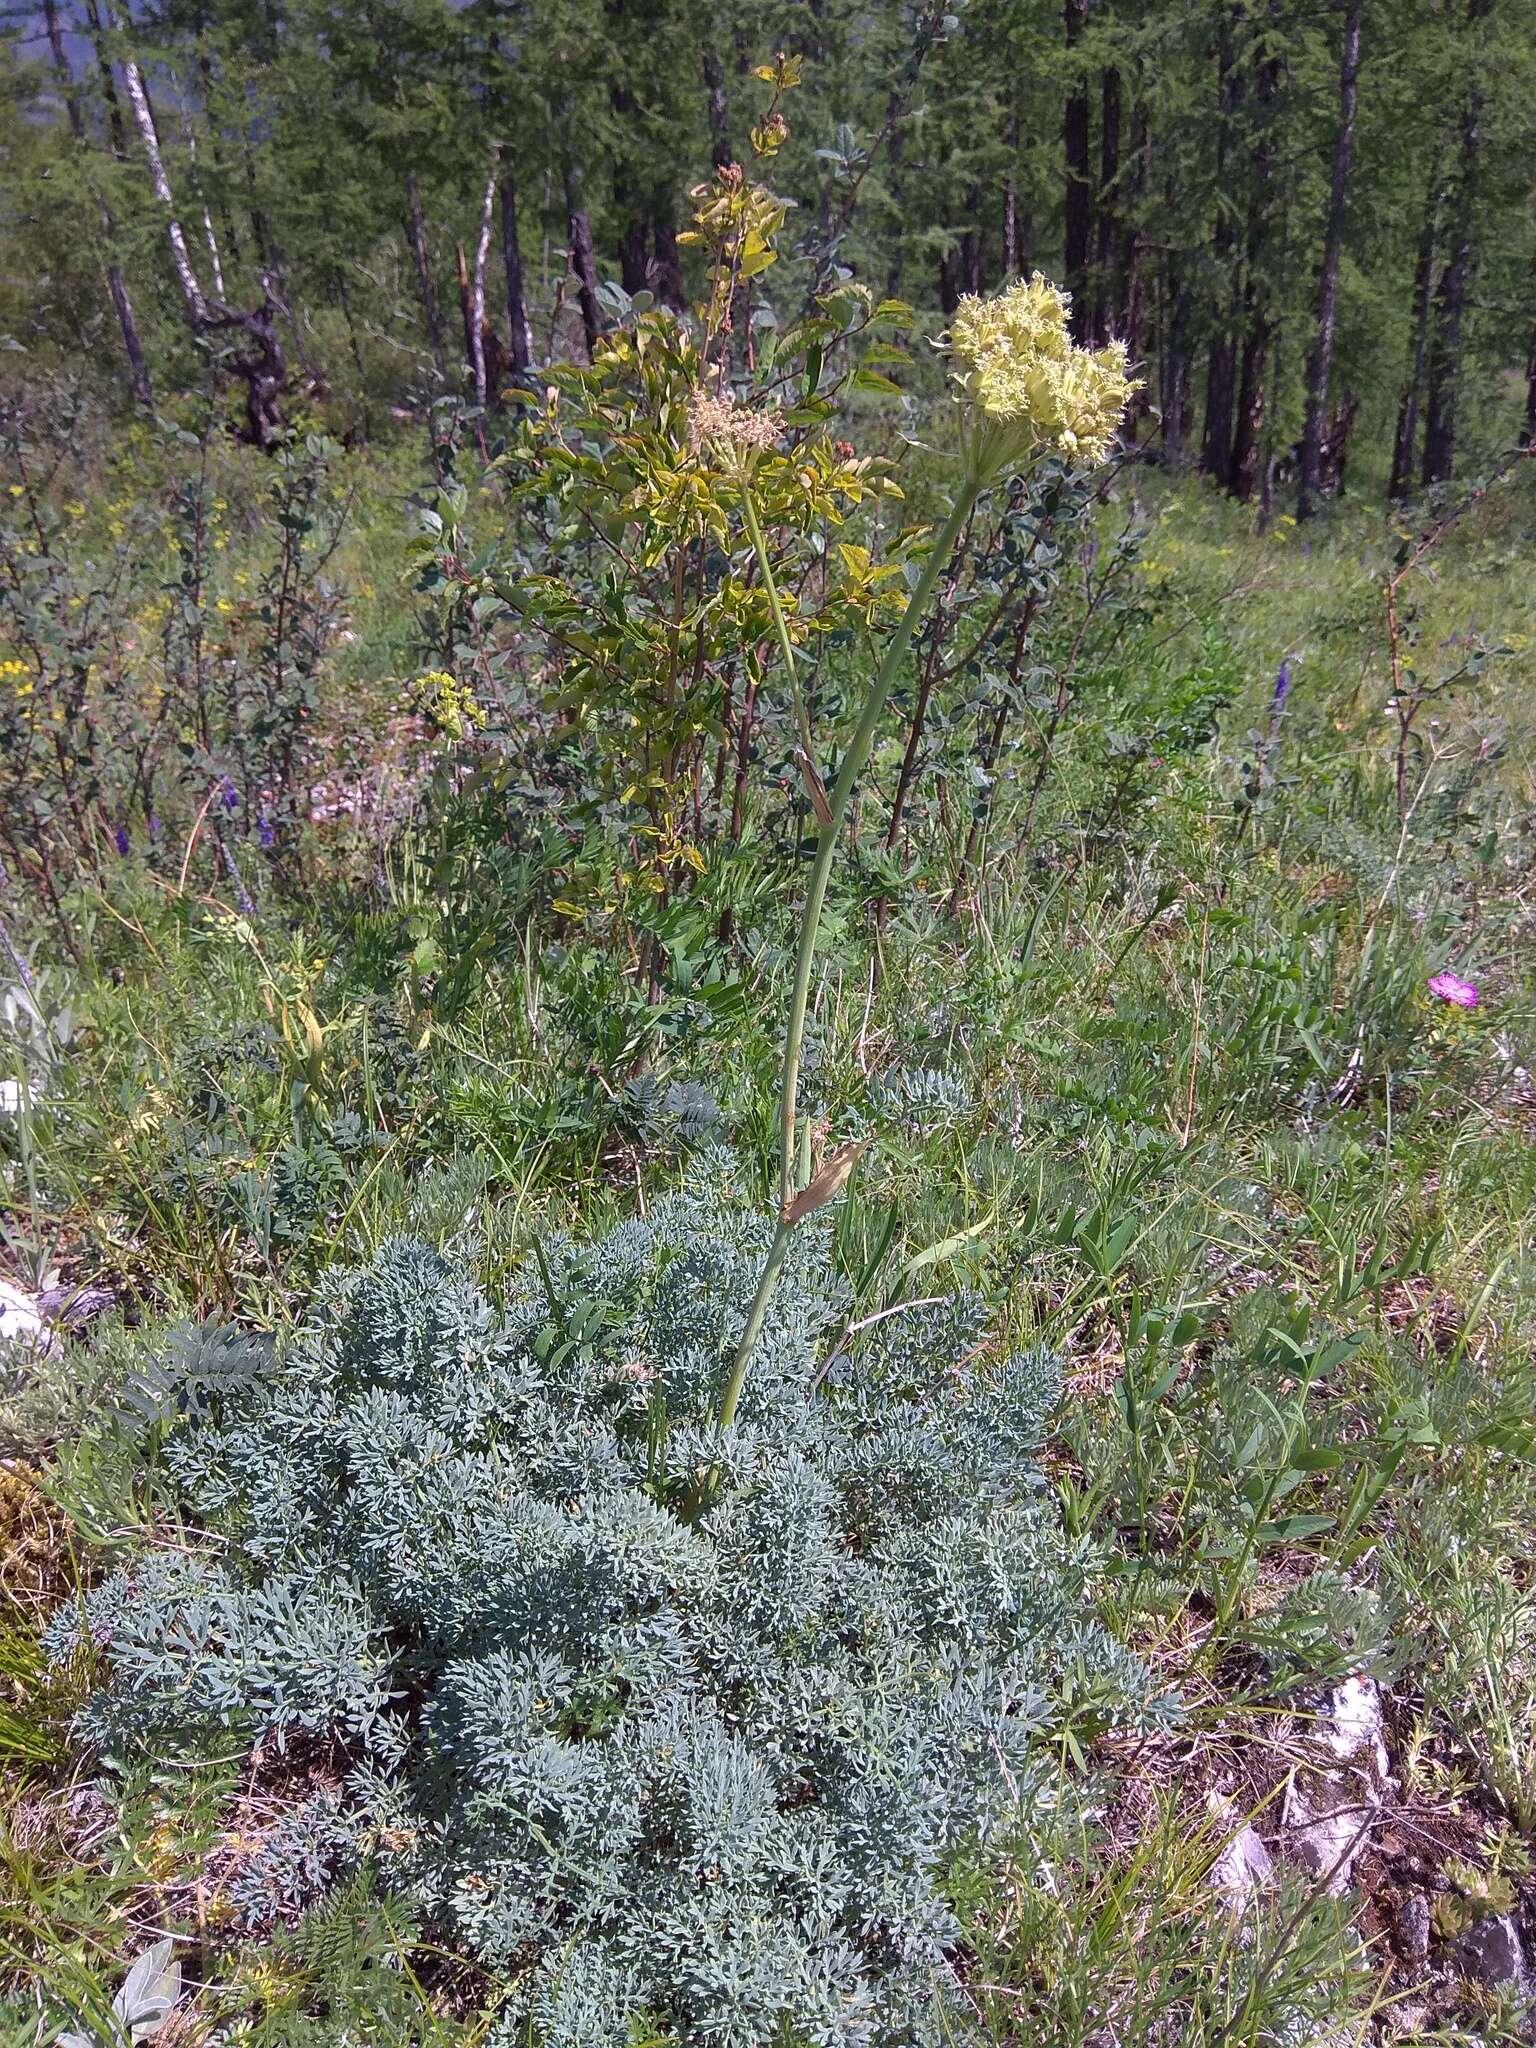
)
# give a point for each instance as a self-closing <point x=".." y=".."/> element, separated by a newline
<point x="667" y="261"/>
<point x="1221" y="360"/>
<point x="1133" y="253"/>
<point x="1107" y="285"/>
<point x="426" y="287"/>
<point x="719" y="109"/>
<point x="1175" y="377"/>
<point x="116" y="126"/>
<point x="972" y="263"/>
<point x="1320" y="357"/>
<point x="466" y="301"/>
<point x="1258" y="316"/>
<point x="1406" y="439"/>
<point x="949" y="282"/>
<point x="519" y="327"/>
<point x="1078" y="237"/>
<point x="582" y="260"/>
<point x="1450" y="308"/>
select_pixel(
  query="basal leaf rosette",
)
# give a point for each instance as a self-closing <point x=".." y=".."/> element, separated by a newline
<point x="1027" y="388"/>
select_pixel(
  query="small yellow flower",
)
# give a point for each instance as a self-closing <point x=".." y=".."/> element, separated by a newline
<point x="447" y="703"/>
<point x="1026" y="385"/>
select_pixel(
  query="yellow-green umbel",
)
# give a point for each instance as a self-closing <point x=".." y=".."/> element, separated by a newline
<point x="1026" y="387"/>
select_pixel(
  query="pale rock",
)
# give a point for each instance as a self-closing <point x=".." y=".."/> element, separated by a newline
<point x="1334" y="1796"/>
<point x="21" y="1321"/>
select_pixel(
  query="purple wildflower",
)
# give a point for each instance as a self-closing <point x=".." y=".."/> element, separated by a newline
<point x="242" y="894"/>
<point x="266" y="832"/>
<point x="1450" y="988"/>
<point x="154" y="825"/>
<point x="1283" y="683"/>
<point x="229" y="793"/>
<point x="120" y="838"/>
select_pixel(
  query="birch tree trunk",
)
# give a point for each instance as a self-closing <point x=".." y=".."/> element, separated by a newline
<point x="1320" y="359"/>
<point x="477" y="356"/>
<point x="144" y="118"/>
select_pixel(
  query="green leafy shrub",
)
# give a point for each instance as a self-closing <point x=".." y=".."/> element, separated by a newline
<point x="708" y="1776"/>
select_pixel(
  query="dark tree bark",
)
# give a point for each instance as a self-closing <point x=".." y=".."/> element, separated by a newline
<point x="1107" y="293"/>
<point x="1450" y="309"/>
<point x="1528" y="425"/>
<point x="1455" y="281"/>
<point x="1320" y="359"/>
<point x="634" y="259"/>
<point x="1248" y="426"/>
<point x="971" y="260"/>
<point x="138" y="369"/>
<point x="431" y="314"/>
<point x="667" y="265"/>
<point x="113" y="104"/>
<point x="1258" y="316"/>
<point x="1078" y="240"/>
<point x="264" y="371"/>
<point x="466" y="304"/>
<point x="584" y="270"/>
<point x="1132" y="318"/>
<point x="719" y="110"/>
<point x="1175" y="376"/>
<point x="1405" y="441"/>
<point x="1220" y="397"/>
<point x="1221" y="360"/>
<point x="519" y="327"/>
<point x="949" y="281"/>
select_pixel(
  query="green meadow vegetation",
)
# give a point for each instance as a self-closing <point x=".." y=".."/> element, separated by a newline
<point x="766" y="1192"/>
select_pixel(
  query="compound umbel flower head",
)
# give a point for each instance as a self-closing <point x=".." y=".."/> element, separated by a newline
<point x="1024" y="385"/>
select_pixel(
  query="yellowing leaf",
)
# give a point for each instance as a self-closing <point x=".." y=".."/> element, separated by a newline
<point x="831" y="1181"/>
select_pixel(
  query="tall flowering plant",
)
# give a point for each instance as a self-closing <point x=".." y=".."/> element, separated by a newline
<point x="1023" y="390"/>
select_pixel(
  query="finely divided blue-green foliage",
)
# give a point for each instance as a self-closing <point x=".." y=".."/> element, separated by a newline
<point x="706" y="1778"/>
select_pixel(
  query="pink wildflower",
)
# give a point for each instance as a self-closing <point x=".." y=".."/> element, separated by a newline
<point x="1452" y="989"/>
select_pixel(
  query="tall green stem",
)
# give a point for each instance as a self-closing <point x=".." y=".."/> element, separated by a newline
<point x="786" y="646"/>
<point x="810" y="920"/>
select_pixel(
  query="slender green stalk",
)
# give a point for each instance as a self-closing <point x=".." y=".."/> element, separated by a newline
<point x="767" y="1280"/>
<point x="786" y="646"/>
<point x="842" y="792"/>
<point x="810" y="920"/>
